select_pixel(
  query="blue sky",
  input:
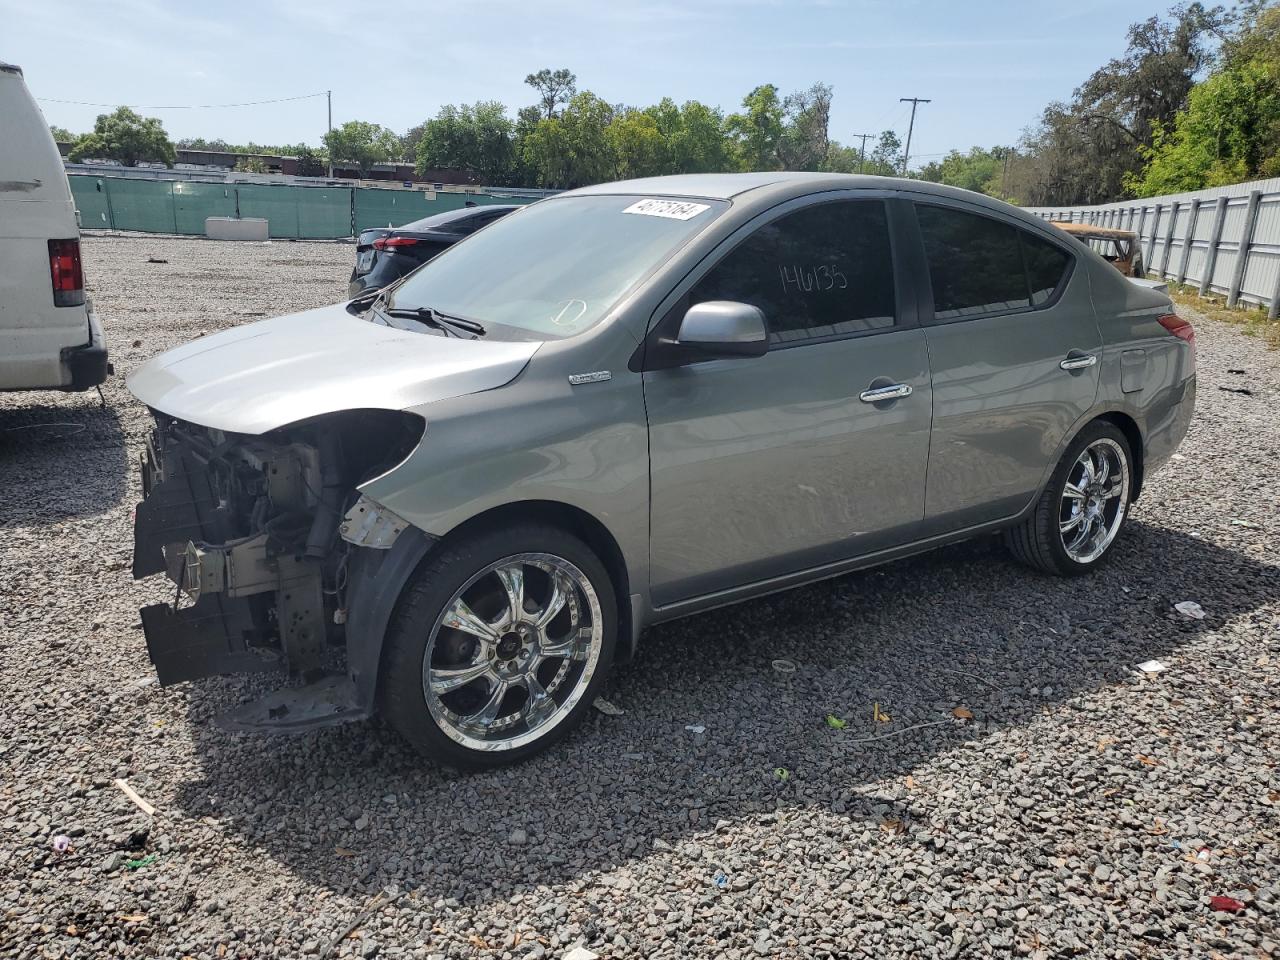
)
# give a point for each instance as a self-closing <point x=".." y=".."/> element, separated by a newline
<point x="989" y="67"/>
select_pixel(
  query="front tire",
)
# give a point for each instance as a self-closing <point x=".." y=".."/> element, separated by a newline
<point x="1082" y="510"/>
<point x="499" y="645"/>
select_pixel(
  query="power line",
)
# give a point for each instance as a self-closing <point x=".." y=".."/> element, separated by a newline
<point x="906" y="153"/>
<point x="186" y="106"/>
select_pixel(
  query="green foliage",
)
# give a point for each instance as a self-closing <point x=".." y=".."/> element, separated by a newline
<point x="311" y="162"/>
<point x="803" y="143"/>
<point x="474" y="137"/>
<point x="362" y="144"/>
<point x="1087" y="150"/>
<point x="757" y="131"/>
<point x="251" y="165"/>
<point x="554" y="88"/>
<point x="979" y="170"/>
<point x="1230" y="130"/>
<point x="62" y="134"/>
<point x="126" y="137"/>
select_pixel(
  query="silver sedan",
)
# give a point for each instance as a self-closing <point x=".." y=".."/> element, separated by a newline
<point x="459" y="502"/>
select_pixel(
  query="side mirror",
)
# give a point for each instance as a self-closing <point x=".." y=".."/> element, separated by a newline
<point x="723" y="328"/>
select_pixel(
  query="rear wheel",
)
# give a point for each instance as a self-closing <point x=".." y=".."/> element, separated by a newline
<point x="1082" y="509"/>
<point x="499" y="646"/>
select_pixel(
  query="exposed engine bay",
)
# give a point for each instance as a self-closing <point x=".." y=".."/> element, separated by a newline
<point x="259" y="535"/>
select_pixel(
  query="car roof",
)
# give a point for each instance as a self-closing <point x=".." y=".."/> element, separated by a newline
<point x="450" y="216"/>
<point x="757" y="191"/>
<point x="1088" y="230"/>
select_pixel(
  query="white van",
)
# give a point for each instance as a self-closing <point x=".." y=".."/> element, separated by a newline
<point x="49" y="335"/>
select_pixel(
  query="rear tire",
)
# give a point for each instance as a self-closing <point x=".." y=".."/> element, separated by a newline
<point x="1083" y="508"/>
<point x="498" y="646"/>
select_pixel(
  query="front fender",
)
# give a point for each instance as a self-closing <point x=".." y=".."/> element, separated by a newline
<point x="376" y="580"/>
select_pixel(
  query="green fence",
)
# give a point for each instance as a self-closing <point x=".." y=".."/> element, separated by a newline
<point x="292" y="212"/>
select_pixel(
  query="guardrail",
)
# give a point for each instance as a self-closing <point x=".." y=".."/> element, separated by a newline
<point x="1225" y="239"/>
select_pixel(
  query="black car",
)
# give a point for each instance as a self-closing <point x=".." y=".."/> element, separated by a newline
<point x="385" y="254"/>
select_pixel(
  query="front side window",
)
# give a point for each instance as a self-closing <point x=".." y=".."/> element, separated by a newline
<point x="554" y="269"/>
<point x="979" y="266"/>
<point x="822" y="271"/>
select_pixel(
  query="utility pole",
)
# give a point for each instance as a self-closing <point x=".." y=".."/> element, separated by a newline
<point x="862" y="163"/>
<point x="329" y="96"/>
<point x="915" y="102"/>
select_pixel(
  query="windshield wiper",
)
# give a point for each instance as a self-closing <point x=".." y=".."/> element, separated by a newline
<point x="441" y="321"/>
<point x="366" y="299"/>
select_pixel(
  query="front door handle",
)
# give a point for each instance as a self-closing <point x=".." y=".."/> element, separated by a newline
<point x="1078" y="361"/>
<point x="894" y="391"/>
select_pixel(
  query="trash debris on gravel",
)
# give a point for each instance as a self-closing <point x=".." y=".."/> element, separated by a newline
<point x="1190" y="609"/>
<point x="1152" y="666"/>
<point x="607" y="708"/>
<point x="269" y="848"/>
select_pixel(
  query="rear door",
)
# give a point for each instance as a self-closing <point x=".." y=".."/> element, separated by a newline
<point x="1014" y="349"/>
<point x="36" y="322"/>
<point x="765" y="466"/>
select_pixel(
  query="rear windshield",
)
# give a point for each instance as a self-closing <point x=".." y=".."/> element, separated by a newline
<point x="555" y="268"/>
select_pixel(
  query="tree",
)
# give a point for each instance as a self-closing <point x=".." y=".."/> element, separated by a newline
<point x="638" y="146"/>
<point x="757" y="130"/>
<point x="62" y="134"/>
<point x="126" y="137"/>
<point x="363" y="144"/>
<point x="978" y="170"/>
<point x="470" y="137"/>
<point x="1230" y="130"/>
<point x="803" y="143"/>
<point x="574" y="148"/>
<point x="409" y="143"/>
<point x="1085" y="151"/>
<point x="885" y="160"/>
<point x="554" y="88"/>
<point x="251" y="165"/>
<point x="311" y="162"/>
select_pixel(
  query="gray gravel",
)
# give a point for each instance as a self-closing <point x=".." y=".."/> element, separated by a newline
<point x="1085" y="810"/>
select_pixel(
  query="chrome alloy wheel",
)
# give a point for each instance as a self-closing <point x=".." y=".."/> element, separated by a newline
<point x="1094" y="500"/>
<point x="512" y="652"/>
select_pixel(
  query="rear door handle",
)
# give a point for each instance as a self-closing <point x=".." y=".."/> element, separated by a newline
<point x="894" y="391"/>
<point x="1078" y="361"/>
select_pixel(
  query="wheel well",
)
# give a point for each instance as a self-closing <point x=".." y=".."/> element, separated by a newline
<point x="1129" y="427"/>
<point x="582" y="525"/>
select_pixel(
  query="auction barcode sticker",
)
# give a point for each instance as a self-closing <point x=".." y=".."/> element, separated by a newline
<point x="671" y="209"/>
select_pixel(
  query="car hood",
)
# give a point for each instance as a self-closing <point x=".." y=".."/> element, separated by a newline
<point x="265" y="375"/>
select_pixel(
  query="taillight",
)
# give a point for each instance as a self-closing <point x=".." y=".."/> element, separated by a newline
<point x="66" y="272"/>
<point x="388" y="243"/>
<point x="1180" y="328"/>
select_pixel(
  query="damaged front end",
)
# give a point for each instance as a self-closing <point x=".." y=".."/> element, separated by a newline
<point x="261" y="536"/>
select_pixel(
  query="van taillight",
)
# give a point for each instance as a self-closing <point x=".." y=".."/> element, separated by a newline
<point x="66" y="273"/>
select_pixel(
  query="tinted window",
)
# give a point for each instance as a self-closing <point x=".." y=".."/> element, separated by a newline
<point x="1046" y="266"/>
<point x="818" y="272"/>
<point x="974" y="263"/>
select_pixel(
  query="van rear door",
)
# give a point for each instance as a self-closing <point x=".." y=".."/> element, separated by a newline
<point x="44" y="316"/>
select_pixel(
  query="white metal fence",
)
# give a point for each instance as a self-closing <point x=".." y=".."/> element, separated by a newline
<point x="1225" y="239"/>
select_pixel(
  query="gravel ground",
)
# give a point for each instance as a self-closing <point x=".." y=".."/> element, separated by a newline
<point x="1085" y="809"/>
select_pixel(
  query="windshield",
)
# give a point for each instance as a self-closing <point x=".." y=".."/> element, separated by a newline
<point x="555" y="268"/>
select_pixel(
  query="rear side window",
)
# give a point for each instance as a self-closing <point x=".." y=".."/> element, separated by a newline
<point x="823" y="271"/>
<point x="978" y="265"/>
<point x="1046" y="266"/>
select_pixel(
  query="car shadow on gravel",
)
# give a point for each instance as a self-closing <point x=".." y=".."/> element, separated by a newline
<point x="60" y="460"/>
<point x="353" y="809"/>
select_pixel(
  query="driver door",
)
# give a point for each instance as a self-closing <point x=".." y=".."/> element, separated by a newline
<point x="765" y="466"/>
